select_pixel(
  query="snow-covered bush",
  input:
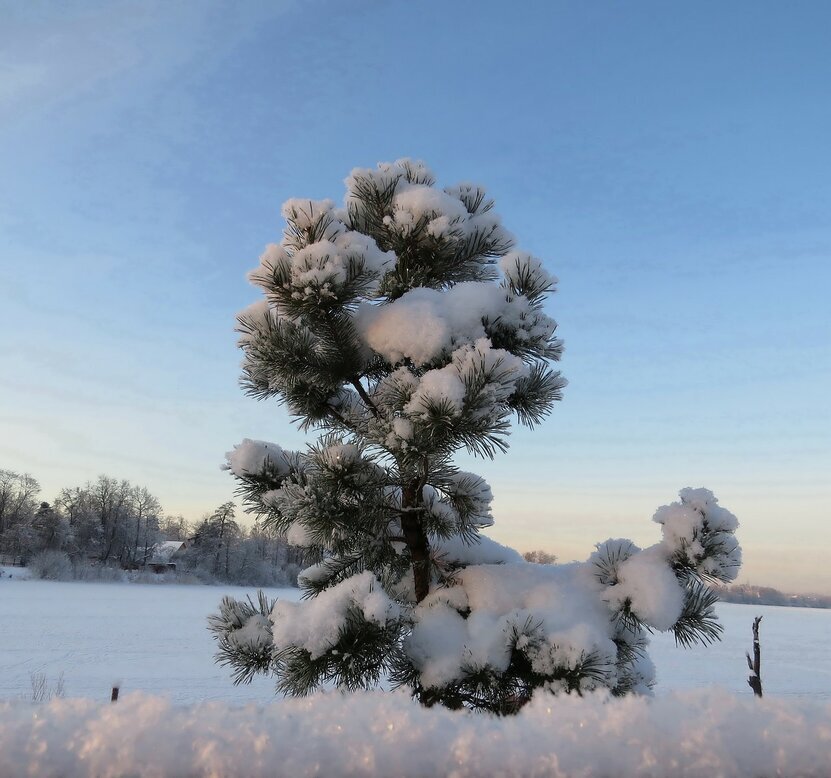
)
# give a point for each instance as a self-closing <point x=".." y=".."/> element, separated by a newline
<point x="56" y="565"/>
<point x="51" y="565"/>
<point x="405" y="326"/>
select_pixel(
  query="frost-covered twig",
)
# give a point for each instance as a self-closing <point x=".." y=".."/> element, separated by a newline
<point x="41" y="691"/>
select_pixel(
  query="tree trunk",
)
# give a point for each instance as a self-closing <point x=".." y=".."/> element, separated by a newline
<point x="416" y="539"/>
<point x="136" y="540"/>
<point x="110" y="544"/>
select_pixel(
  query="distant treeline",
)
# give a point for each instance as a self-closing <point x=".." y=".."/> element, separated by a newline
<point x="105" y="525"/>
<point x="765" y="595"/>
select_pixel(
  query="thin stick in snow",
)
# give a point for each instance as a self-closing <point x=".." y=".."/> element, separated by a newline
<point x="755" y="664"/>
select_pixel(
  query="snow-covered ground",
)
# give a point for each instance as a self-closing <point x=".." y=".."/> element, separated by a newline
<point x="174" y="716"/>
<point x="702" y="733"/>
<point x="153" y="638"/>
<point x="149" y="637"/>
<point x="796" y="659"/>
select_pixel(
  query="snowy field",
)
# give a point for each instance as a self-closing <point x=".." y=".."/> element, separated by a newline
<point x="796" y="660"/>
<point x="174" y="718"/>
<point x="153" y="638"/>
<point x="150" y="637"/>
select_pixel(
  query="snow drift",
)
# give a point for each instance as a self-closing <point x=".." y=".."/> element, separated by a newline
<point x="702" y="733"/>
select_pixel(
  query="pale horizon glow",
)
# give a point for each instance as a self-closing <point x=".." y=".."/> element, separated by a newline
<point x="670" y="164"/>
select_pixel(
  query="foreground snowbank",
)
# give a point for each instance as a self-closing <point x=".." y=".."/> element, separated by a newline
<point x="703" y="733"/>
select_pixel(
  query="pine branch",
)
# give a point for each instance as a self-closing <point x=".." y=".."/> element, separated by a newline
<point x="243" y="634"/>
<point x="698" y="622"/>
<point x="535" y="395"/>
<point x="364" y="396"/>
<point x="362" y="652"/>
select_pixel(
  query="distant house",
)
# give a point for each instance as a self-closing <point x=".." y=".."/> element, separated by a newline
<point x="164" y="555"/>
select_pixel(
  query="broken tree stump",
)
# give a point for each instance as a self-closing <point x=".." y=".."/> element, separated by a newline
<point x="755" y="664"/>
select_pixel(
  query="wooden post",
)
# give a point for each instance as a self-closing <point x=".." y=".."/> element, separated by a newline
<point x="755" y="664"/>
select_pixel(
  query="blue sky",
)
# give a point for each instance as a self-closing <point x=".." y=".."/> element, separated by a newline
<point x="669" y="162"/>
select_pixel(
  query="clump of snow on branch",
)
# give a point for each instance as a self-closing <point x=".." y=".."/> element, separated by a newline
<point x="648" y="588"/>
<point x="497" y="368"/>
<point x="485" y="551"/>
<point x="424" y="324"/>
<point x="700" y="533"/>
<point x="252" y="457"/>
<point x="456" y="212"/>
<point x="319" y="254"/>
<point x="316" y="626"/>
<point x="548" y="614"/>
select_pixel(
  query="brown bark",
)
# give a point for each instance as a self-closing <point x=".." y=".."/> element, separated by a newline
<point x="416" y="538"/>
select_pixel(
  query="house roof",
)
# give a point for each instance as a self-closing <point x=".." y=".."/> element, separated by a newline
<point x="164" y="550"/>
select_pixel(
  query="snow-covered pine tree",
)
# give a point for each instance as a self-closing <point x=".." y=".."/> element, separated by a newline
<point x="404" y="327"/>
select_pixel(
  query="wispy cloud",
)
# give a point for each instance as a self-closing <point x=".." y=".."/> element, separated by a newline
<point x="67" y="52"/>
